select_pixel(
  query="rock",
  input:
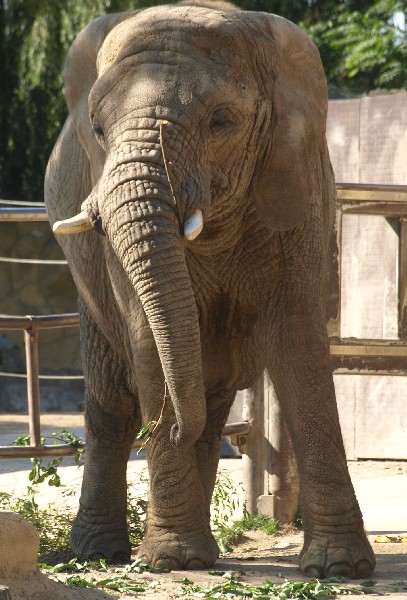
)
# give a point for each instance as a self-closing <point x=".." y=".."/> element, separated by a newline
<point x="40" y="587"/>
<point x="19" y="546"/>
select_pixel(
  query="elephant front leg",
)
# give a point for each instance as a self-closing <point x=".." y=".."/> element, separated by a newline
<point x="334" y="539"/>
<point x="178" y="534"/>
<point x="100" y="528"/>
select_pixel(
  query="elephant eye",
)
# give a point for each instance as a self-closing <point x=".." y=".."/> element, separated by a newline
<point x="100" y="136"/>
<point x="221" y="119"/>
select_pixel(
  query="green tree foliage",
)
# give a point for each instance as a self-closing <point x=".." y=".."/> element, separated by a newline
<point x="34" y="38"/>
<point x="361" y="49"/>
<point x="361" y="45"/>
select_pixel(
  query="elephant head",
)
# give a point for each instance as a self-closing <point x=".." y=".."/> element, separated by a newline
<point x="190" y="115"/>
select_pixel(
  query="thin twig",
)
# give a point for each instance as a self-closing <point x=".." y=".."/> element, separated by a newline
<point x="168" y="170"/>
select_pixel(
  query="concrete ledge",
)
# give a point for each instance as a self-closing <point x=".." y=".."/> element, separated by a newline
<point x="281" y="505"/>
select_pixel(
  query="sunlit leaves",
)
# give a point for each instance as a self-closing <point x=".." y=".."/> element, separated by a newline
<point x="362" y="49"/>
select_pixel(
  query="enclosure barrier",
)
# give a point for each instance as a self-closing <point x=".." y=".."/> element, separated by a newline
<point x="31" y="325"/>
<point x="270" y="477"/>
<point x="269" y="466"/>
<point x="386" y="356"/>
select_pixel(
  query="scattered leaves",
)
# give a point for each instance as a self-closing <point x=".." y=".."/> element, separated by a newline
<point x="390" y="539"/>
<point x="303" y="590"/>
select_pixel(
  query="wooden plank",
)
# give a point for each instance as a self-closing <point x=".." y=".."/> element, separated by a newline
<point x="384" y="209"/>
<point x="373" y="416"/>
<point x="342" y="132"/>
<point x="380" y="417"/>
<point x="362" y="347"/>
<point x="364" y="192"/>
<point x="402" y="308"/>
<point x="369" y="365"/>
<point x="383" y="139"/>
<point x="369" y="277"/>
<point x="333" y="297"/>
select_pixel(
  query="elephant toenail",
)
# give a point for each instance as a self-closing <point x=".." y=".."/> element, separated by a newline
<point x="120" y="557"/>
<point x="169" y="564"/>
<point x="195" y="564"/>
<point x="364" y="569"/>
<point x="313" y="571"/>
<point x="343" y="569"/>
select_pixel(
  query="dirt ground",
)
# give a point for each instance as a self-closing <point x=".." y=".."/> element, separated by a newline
<point x="255" y="559"/>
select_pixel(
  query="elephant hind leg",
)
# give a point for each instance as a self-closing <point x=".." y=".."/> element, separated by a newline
<point x="111" y="421"/>
<point x="334" y="539"/>
<point x="209" y="444"/>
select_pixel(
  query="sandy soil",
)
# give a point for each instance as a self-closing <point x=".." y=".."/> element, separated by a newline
<point x="256" y="558"/>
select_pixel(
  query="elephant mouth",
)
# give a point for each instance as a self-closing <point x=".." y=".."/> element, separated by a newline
<point x="88" y="218"/>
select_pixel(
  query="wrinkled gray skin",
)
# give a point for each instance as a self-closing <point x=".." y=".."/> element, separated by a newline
<point x="245" y="98"/>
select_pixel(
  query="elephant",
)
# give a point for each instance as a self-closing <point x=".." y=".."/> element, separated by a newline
<point x="192" y="194"/>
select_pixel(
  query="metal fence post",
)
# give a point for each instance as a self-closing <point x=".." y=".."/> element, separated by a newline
<point x="33" y="384"/>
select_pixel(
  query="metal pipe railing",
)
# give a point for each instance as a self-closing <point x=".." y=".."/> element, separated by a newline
<point x="39" y="321"/>
<point x="31" y="325"/>
<point x="22" y="214"/>
<point x="19" y="211"/>
<point x="14" y="211"/>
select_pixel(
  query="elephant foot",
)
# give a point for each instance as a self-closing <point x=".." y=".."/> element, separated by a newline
<point x="100" y="536"/>
<point x="177" y="550"/>
<point x="331" y="554"/>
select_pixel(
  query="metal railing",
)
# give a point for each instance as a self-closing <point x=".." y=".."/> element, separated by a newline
<point x="268" y="469"/>
<point x="11" y="211"/>
<point x="31" y="325"/>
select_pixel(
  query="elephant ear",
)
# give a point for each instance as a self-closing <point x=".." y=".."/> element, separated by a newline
<point x="80" y="73"/>
<point x="296" y="90"/>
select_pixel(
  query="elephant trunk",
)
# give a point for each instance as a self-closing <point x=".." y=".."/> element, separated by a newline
<point x="134" y="204"/>
<point x="143" y="229"/>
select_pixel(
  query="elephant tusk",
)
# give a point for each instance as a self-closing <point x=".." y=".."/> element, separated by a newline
<point x="76" y="224"/>
<point x="193" y="225"/>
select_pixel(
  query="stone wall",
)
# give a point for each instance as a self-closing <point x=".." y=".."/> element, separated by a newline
<point x="37" y="289"/>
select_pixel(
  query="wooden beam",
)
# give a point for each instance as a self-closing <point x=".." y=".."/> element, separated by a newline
<point x="403" y="280"/>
